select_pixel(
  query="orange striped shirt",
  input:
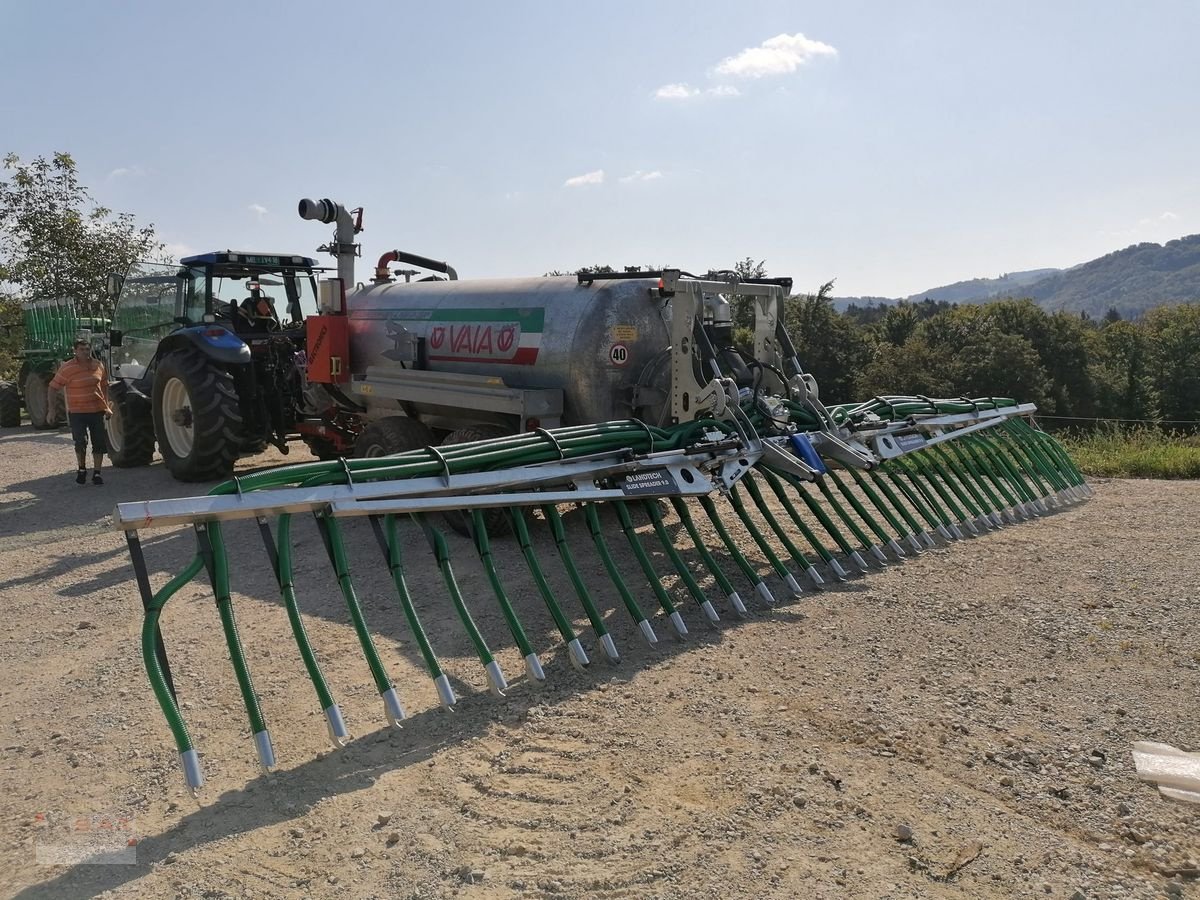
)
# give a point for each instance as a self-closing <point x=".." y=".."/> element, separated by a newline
<point x="86" y="385"/>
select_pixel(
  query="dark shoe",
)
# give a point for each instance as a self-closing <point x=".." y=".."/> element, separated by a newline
<point x="81" y="476"/>
<point x="96" y="479"/>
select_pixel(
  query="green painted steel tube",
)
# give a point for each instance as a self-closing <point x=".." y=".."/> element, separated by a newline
<point x="559" y="532"/>
<point x="521" y="530"/>
<point x="395" y="566"/>
<point x="287" y="588"/>
<point x="441" y="553"/>
<point x="614" y="574"/>
<point x="764" y="510"/>
<point x="158" y="681"/>
<point x="739" y="558"/>
<point x="705" y="554"/>
<point x="677" y="561"/>
<point x="337" y="552"/>
<point x="237" y="656"/>
<point x="776" y="485"/>
<point x="484" y="548"/>
<point x="639" y="552"/>
<point x="739" y="508"/>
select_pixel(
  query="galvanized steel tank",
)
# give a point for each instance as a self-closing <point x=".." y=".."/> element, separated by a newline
<point x="594" y="341"/>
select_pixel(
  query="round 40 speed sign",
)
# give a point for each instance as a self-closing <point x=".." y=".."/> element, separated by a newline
<point x="618" y="354"/>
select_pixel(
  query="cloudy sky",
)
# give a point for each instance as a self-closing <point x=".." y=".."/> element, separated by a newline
<point x="891" y="146"/>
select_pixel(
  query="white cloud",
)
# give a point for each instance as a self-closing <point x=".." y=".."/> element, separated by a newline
<point x="639" y="175"/>
<point x="126" y="172"/>
<point x="780" y="55"/>
<point x="676" y="92"/>
<point x="687" y="92"/>
<point x="258" y="209"/>
<point x="596" y="177"/>
<point x="1153" y="228"/>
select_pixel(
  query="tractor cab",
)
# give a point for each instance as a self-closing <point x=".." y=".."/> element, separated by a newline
<point x="213" y="345"/>
<point x="249" y="292"/>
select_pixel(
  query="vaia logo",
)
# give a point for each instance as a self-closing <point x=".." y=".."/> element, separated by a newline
<point x="474" y="340"/>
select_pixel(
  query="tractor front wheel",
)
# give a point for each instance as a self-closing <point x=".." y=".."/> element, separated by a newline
<point x="10" y="405"/>
<point x="197" y="419"/>
<point x="37" y="402"/>
<point x="130" y="430"/>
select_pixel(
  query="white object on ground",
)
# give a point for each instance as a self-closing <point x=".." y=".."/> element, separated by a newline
<point x="1175" y="771"/>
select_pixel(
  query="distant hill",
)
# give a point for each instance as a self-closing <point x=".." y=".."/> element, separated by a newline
<point x="1131" y="280"/>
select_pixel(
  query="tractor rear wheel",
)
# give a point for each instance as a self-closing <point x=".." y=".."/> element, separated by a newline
<point x="129" y="431"/>
<point x="37" y="398"/>
<point x="495" y="520"/>
<point x="10" y="405"/>
<point x="197" y="419"/>
<point x="395" y="434"/>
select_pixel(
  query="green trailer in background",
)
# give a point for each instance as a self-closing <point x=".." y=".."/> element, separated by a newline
<point x="51" y="326"/>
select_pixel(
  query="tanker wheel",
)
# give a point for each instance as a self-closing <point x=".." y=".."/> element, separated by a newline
<point x="395" y="434"/>
<point x="323" y="449"/>
<point x="129" y="431"/>
<point x="37" y="396"/>
<point x="496" y="520"/>
<point x="197" y="420"/>
<point x="10" y="405"/>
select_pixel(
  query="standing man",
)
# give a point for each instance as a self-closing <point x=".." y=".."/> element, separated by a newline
<point x="86" y="384"/>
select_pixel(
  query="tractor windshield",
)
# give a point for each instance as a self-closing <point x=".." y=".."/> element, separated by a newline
<point x="285" y="295"/>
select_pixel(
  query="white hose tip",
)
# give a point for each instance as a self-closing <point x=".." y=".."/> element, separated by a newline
<point x="877" y="552"/>
<point x="957" y="532"/>
<point x="764" y="593"/>
<point x="533" y="666"/>
<point x="266" y="753"/>
<point x="337" y="727"/>
<point x="838" y="572"/>
<point x="496" y="682"/>
<point x="896" y="548"/>
<point x="945" y="532"/>
<point x="735" y="601"/>
<point x="393" y="707"/>
<point x="856" y="558"/>
<point x="610" y="649"/>
<point x="969" y="526"/>
<point x="190" y="760"/>
<point x="709" y="612"/>
<point x="678" y="624"/>
<point x="927" y="539"/>
<point x="647" y="631"/>
<point x="814" y="576"/>
<point x="579" y="658"/>
<point x="445" y="693"/>
<point x="793" y="585"/>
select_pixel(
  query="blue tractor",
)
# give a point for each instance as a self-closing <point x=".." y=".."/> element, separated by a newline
<point x="206" y="359"/>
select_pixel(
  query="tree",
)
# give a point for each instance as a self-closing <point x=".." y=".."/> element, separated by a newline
<point x="831" y="347"/>
<point x="55" y="241"/>
<point x="1174" y="336"/>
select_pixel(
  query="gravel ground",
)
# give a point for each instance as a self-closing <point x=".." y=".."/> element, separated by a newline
<point x="955" y="726"/>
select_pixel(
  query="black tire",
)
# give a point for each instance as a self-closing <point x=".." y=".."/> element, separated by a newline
<point x="322" y="449"/>
<point x="130" y="430"/>
<point x="10" y="405"/>
<point x="200" y="434"/>
<point x="37" y="391"/>
<point x="496" y="520"/>
<point x="395" y="434"/>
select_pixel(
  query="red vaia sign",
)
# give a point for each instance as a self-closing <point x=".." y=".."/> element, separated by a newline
<point x="483" y="342"/>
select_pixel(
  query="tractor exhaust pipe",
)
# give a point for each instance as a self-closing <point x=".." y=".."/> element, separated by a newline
<point x="343" y="246"/>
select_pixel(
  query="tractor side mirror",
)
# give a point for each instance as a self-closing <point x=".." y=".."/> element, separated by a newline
<point x="112" y="284"/>
<point x="114" y="338"/>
